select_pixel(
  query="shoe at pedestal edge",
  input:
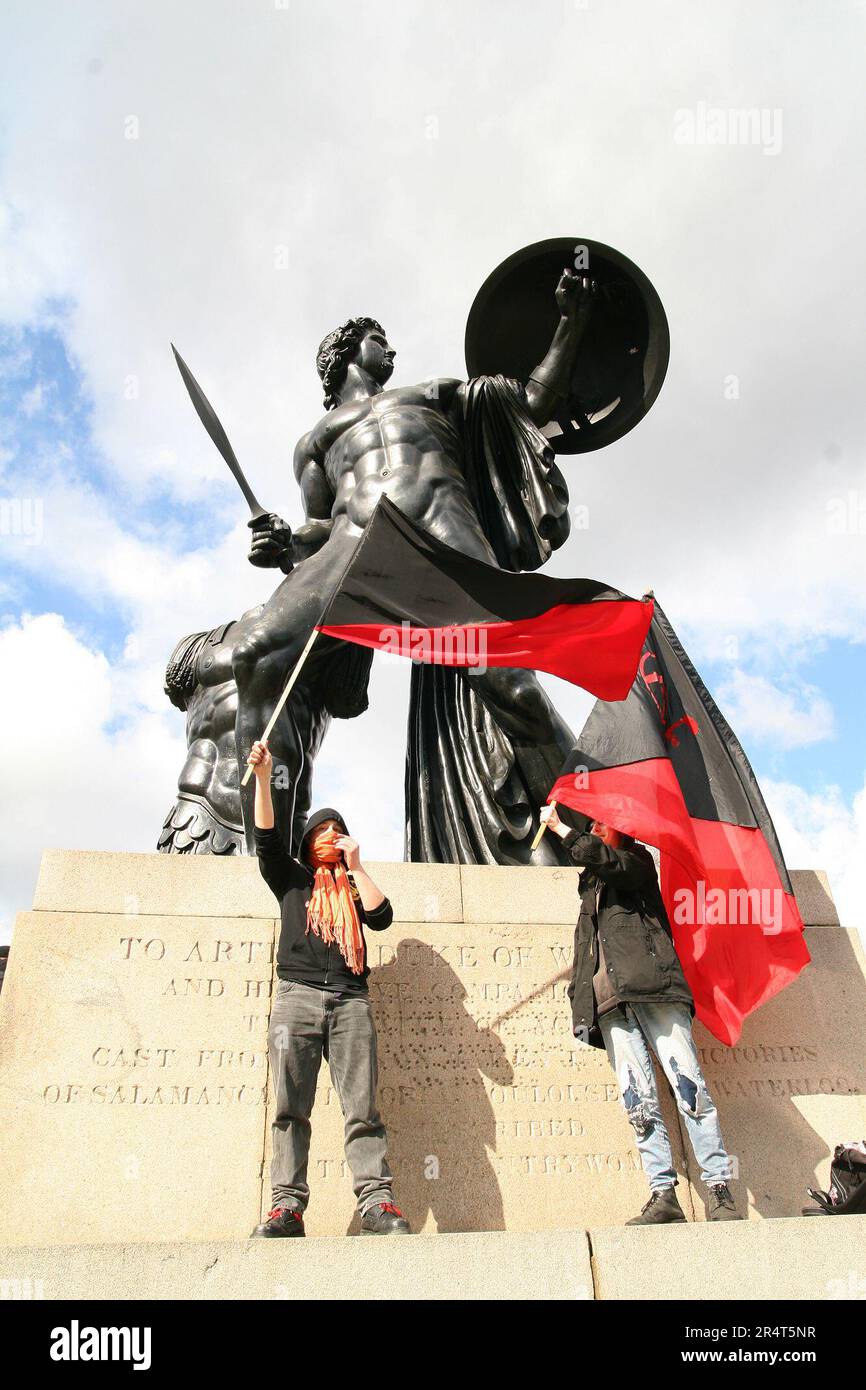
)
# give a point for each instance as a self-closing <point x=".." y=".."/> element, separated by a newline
<point x="661" y="1209"/>
<point x="721" y="1206"/>
<point x="281" y="1222"/>
<point x="384" y="1219"/>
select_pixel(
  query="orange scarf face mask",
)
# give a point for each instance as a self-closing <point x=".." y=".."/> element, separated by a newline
<point x="332" y="914"/>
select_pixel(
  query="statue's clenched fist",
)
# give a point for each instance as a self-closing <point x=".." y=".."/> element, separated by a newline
<point x="575" y="295"/>
<point x="272" y="543"/>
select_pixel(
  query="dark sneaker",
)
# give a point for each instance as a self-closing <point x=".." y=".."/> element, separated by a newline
<point x="720" y="1206"/>
<point x="384" y="1219"/>
<point x="661" y="1209"/>
<point x="282" y="1221"/>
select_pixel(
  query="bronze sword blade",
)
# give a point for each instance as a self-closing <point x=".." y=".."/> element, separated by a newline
<point x="209" y="418"/>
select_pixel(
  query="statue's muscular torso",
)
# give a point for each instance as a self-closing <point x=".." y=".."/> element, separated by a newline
<point x="400" y="443"/>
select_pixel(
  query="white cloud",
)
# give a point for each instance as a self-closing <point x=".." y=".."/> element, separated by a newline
<point x="778" y="717"/>
<point x="33" y="400"/>
<point x="73" y="784"/>
<point x="821" y="830"/>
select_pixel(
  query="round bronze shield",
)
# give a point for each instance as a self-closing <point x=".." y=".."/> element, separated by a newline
<point x="623" y="354"/>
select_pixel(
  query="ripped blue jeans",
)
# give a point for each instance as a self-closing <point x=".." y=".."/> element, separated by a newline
<point x="667" y="1029"/>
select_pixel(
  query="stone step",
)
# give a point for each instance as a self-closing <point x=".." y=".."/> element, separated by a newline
<point x="798" y="1259"/>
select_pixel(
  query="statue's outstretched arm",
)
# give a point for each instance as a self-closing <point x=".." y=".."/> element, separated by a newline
<point x="548" y="383"/>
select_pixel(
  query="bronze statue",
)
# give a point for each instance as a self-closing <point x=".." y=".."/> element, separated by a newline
<point x="466" y="460"/>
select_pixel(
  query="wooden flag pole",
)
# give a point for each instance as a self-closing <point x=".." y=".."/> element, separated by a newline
<point x="541" y="829"/>
<point x="353" y="555"/>
<point x="283" y="698"/>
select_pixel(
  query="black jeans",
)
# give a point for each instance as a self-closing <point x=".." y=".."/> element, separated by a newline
<point x="307" y="1024"/>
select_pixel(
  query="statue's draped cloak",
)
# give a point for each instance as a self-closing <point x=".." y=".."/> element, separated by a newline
<point x="471" y="790"/>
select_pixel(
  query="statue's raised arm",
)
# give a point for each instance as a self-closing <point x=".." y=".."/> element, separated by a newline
<point x="548" y="385"/>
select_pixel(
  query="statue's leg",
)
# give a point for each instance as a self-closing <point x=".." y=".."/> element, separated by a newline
<point x="262" y="659"/>
<point x="540" y="742"/>
<point x="312" y="722"/>
<point x="289" y="748"/>
<point x="521" y="707"/>
<point x="206" y="815"/>
<point x="484" y="751"/>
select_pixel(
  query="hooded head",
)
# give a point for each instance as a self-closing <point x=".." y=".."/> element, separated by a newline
<point x="318" y="822"/>
<point x="614" y="838"/>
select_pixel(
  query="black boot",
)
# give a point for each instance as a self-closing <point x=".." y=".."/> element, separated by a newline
<point x="661" y="1209"/>
<point x="721" y="1205"/>
<point x="384" y="1219"/>
<point x="282" y="1221"/>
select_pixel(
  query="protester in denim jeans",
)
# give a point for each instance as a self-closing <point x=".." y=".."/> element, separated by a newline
<point x="630" y="996"/>
<point x="321" y="1008"/>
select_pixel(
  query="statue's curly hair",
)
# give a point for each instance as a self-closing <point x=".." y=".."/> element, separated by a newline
<point x="336" y="351"/>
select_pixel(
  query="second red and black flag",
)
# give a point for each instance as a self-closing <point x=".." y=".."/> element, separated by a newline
<point x="665" y="767"/>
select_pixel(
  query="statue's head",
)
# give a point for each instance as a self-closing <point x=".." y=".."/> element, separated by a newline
<point x="361" y="341"/>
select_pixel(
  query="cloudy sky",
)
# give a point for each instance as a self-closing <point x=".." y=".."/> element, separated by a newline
<point x="238" y="176"/>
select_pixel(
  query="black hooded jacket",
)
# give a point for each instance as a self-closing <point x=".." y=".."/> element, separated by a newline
<point x="303" y="956"/>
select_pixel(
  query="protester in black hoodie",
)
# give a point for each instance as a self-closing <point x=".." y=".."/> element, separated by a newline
<point x="322" y="1008"/>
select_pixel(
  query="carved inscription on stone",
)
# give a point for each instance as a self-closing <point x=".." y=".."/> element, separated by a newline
<point x="232" y="973"/>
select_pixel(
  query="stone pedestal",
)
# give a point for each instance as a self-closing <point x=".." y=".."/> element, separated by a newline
<point x="134" y="1097"/>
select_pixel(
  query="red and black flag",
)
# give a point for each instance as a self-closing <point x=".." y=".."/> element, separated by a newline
<point x="665" y="767"/>
<point x="406" y="592"/>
